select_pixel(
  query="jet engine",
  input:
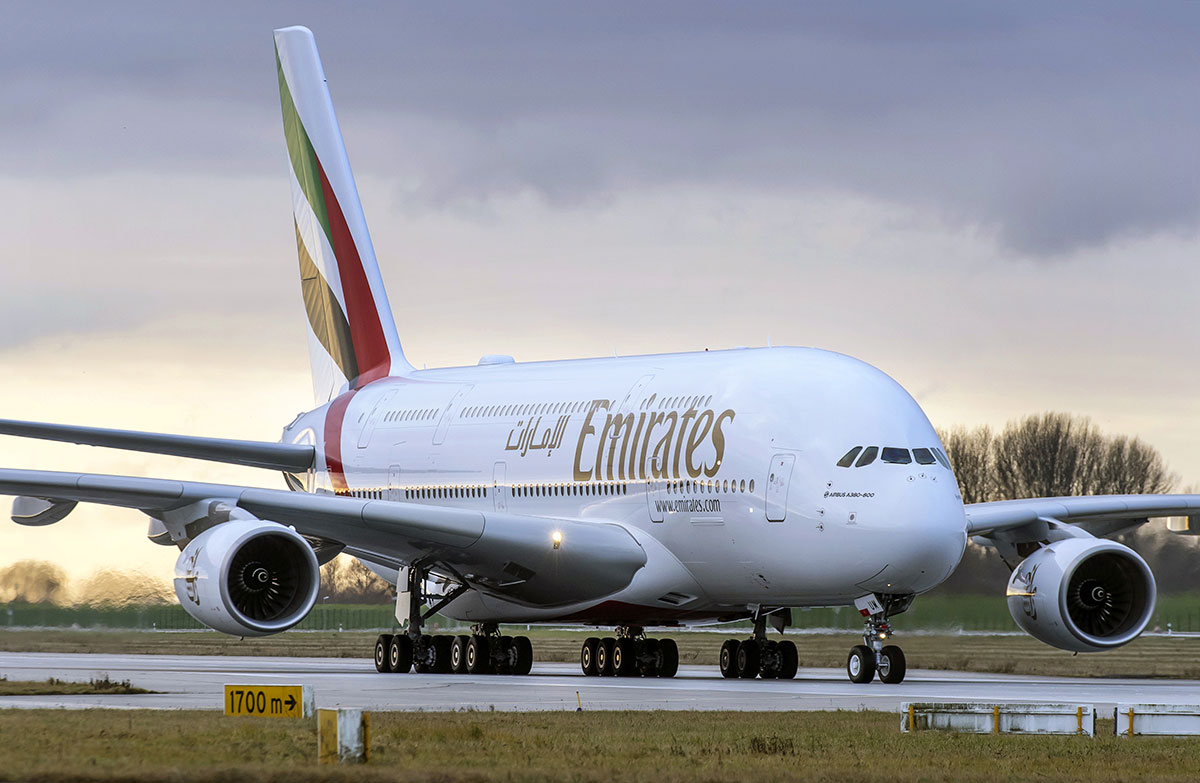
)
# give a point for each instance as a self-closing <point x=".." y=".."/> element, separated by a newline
<point x="248" y="577"/>
<point x="1082" y="594"/>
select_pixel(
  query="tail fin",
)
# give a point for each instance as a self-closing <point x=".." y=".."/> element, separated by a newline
<point x="352" y="338"/>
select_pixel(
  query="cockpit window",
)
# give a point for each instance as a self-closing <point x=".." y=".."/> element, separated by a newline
<point x="942" y="458"/>
<point x="923" y="456"/>
<point x="868" y="456"/>
<point x="896" y="456"/>
<point x="848" y="460"/>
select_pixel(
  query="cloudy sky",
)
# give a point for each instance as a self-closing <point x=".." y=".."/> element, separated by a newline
<point x="999" y="206"/>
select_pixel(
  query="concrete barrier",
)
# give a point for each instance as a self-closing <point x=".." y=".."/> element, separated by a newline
<point x="999" y="718"/>
<point x="343" y="736"/>
<point x="1162" y="720"/>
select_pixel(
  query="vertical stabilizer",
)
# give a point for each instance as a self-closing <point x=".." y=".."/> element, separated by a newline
<point x="352" y="337"/>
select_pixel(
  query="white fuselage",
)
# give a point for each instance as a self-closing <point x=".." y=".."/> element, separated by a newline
<point x="723" y="466"/>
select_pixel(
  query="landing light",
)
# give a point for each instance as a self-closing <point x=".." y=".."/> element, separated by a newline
<point x="556" y="537"/>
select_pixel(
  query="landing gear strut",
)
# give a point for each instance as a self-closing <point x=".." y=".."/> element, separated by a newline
<point x="759" y="656"/>
<point x="630" y="654"/>
<point x="875" y="657"/>
<point x="485" y="651"/>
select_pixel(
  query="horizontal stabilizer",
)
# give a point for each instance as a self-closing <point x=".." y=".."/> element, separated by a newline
<point x="254" y="454"/>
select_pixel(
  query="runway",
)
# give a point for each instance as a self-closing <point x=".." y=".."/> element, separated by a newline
<point x="196" y="682"/>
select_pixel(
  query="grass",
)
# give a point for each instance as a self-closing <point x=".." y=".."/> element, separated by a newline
<point x="929" y="612"/>
<point x="97" y="745"/>
<point x="1148" y="656"/>
<point x="56" y="687"/>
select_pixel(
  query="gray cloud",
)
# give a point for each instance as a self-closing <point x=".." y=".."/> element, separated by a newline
<point x="1057" y="130"/>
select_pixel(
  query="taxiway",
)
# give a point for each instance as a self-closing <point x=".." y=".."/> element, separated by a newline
<point x="196" y="682"/>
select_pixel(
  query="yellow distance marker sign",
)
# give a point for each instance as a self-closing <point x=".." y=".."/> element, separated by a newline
<point x="269" y="701"/>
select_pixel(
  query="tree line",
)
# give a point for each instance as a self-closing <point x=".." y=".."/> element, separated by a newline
<point x="1054" y="455"/>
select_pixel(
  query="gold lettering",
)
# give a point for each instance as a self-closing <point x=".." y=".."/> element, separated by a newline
<point x="584" y="431"/>
<point x="655" y="418"/>
<point x="699" y="434"/>
<point x="718" y="439"/>
<point x="662" y="450"/>
<point x="636" y="469"/>
<point x="689" y="414"/>
<point x="612" y="431"/>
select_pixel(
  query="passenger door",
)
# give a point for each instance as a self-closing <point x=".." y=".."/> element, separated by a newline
<point x="364" y="435"/>
<point x="439" y="434"/>
<point x="394" y="491"/>
<point x="499" y="487"/>
<point x="778" y="478"/>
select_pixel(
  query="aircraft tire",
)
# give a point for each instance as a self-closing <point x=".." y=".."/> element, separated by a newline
<point x="587" y="656"/>
<point x="441" y="654"/>
<point x="478" y="655"/>
<point x="400" y="654"/>
<point x="458" y="654"/>
<point x="624" y="659"/>
<point x="789" y="660"/>
<point x="729" y="659"/>
<point x="892" y="665"/>
<point x="648" y="658"/>
<point x="748" y="660"/>
<point x="668" y="653"/>
<point x="860" y="664"/>
<point x="523" y="661"/>
<point x="604" y="656"/>
<point x="381" y="653"/>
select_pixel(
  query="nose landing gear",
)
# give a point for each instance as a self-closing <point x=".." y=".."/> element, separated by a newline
<point x="874" y="657"/>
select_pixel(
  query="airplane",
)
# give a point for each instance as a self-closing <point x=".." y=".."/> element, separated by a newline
<point x="628" y="493"/>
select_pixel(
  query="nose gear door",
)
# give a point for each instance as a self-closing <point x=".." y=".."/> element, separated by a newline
<point x="778" y="477"/>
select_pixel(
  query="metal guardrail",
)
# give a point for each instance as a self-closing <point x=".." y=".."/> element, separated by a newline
<point x="1157" y="720"/>
<point x="1079" y="719"/>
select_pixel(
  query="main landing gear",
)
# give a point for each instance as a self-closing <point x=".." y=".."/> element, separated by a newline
<point x="484" y="651"/>
<point x="630" y="654"/>
<point x="875" y="657"/>
<point x="759" y="656"/>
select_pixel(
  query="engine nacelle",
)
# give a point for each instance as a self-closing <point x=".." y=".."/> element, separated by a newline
<point x="1082" y="594"/>
<point x="248" y="577"/>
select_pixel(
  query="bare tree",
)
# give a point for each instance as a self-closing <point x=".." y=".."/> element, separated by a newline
<point x="347" y="581"/>
<point x="34" y="581"/>
<point x="1052" y="455"/>
<point x="970" y="453"/>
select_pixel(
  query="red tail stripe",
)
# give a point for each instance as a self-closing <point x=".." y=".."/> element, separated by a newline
<point x="334" y="418"/>
<point x="366" y="332"/>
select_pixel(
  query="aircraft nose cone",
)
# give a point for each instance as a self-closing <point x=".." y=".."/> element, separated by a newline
<point x="923" y="546"/>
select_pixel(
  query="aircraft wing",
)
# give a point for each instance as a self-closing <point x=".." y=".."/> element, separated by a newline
<point x="251" y="453"/>
<point x="1100" y="515"/>
<point x="509" y="555"/>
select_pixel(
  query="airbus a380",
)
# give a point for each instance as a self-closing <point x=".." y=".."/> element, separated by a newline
<point x="625" y="493"/>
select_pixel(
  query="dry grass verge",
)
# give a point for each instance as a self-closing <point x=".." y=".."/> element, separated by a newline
<point x="100" y="745"/>
<point x="56" y="687"/>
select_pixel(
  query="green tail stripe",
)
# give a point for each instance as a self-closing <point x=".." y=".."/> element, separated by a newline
<point x="300" y="150"/>
<point x="325" y="314"/>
